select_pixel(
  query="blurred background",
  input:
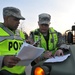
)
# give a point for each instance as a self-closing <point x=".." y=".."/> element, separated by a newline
<point x="62" y="12"/>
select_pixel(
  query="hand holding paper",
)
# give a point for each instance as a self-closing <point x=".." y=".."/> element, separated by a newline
<point x="57" y="58"/>
<point x="28" y="53"/>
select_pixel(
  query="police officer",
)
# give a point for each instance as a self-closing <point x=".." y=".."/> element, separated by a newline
<point x="50" y="39"/>
<point x="11" y="40"/>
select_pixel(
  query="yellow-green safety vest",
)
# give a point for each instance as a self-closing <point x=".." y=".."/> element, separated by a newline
<point x="10" y="44"/>
<point x="52" y="37"/>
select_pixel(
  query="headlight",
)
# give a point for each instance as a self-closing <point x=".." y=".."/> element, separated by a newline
<point x="41" y="70"/>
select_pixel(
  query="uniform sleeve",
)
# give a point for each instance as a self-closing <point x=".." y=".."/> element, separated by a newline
<point x="1" y="60"/>
<point x="65" y="46"/>
<point x="61" y="39"/>
<point x="61" y="43"/>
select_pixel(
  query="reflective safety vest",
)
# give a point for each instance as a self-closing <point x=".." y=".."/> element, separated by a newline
<point x="10" y="44"/>
<point x="52" y="42"/>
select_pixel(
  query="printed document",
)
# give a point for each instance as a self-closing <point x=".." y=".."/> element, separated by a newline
<point x="28" y="53"/>
<point x="58" y="58"/>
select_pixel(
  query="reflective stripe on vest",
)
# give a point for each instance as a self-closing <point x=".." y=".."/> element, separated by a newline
<point x="53" y="39"/>
<point x="9" y="45"/>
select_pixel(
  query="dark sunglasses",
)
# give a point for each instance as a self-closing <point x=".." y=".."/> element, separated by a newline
<point x="46" y="25"/>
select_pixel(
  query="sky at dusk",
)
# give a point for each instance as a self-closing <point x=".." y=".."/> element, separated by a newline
<point x="62" y="13"/>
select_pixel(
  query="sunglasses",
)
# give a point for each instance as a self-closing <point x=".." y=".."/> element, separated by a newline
<point x="46" y="25"/>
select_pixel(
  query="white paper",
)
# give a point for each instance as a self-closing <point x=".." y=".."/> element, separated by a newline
<point x="58" y="58"/>
<point x="28" y="53"/>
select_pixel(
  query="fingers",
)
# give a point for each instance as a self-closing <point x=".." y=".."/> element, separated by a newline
<point x="10" y="61"/>
<point x="16" y="59"/>
<point x="10" y="64"/>
<point x="58" y="53"/>
<point x="48" y="54"/>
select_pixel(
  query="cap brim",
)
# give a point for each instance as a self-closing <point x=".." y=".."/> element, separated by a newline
<point x="45" y="22"/>
<point x="19" y="16"/>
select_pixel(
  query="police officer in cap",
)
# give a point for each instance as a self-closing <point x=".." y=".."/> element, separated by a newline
<point x="11" y="40"/>
<point x="50" y="39"/>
